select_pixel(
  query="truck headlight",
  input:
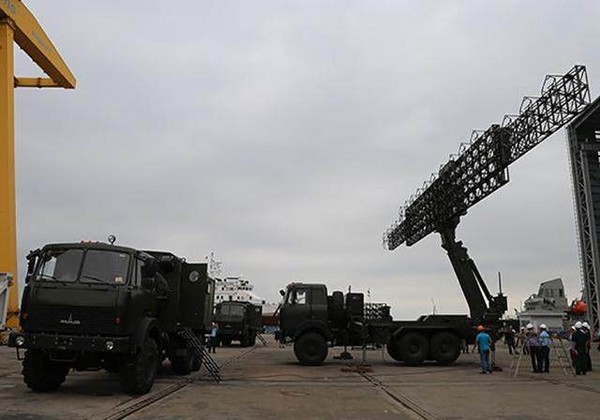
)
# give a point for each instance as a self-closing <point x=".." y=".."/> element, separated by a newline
<point x="109" y="345"/>
<point x="20" y="341"/>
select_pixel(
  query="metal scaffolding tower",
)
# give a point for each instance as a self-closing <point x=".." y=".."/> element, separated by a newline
<point x="584" y="148"/>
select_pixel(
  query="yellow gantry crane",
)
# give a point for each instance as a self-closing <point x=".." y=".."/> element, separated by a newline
<point x="17" y="24"/>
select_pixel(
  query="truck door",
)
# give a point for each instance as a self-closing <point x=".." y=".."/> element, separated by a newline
<point x="295" y="309"/>
<point x="304" y="303"/>
<point x="195" y="287"/>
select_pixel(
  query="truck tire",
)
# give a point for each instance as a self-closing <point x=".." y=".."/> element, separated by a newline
<point x="42" y="374"/>
<point x="182" y="365"/>
<point x="253" y="338"/>
<point x="393" y="349"/>
<point x="226" y="341"/>
<point x="310" y="349"/>
<point x="414" y="348"/>
<point x="139" y="371"/>
<point x="245" y="341"/>
<point x="445" y="347"/>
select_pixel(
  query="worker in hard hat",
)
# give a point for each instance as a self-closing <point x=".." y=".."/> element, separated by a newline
<point x="544" y="355"/>
<point x="484" y="345"/>
<point x="581" y="344"/>
<point x="585" y="327"/>
<point x="532" y="342"/>
<point x="522" y="341"/>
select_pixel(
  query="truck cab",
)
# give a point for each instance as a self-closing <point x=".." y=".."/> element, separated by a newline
<point x="304" y="306"/>
<point x="313" y="320"/>
<point x="90" y="306"/>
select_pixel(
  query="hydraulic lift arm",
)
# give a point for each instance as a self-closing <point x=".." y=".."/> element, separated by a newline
<point x="483" y="306"/>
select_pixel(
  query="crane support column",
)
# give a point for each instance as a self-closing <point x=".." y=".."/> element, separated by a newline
<point x="462" y="264"/>
<point x="17" y="24"/>
<point x="8" y="234"/>
<point x="483" y="306"/>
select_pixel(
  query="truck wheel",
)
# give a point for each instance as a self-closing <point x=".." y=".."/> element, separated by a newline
<point x="138" y="371"/>
<point x="393" y="349"/>
<point x="226" y="341"/>
<point x="415" y="348"/>
<point x="245" y="341"/>
<point x="42" y="374"/>
<point x="310" y="349"/>
<point x="182" y="365"/>
<point x="445" y="347"/>
<point x="253" y="339"/>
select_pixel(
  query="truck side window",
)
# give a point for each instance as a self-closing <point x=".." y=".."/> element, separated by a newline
<point x="300" y="298"/>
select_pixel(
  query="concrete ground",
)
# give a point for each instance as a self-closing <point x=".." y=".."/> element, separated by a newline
<point x="266" y="382"/>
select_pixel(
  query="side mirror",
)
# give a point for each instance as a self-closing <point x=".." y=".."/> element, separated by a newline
<point x="30" y="269"/>
<point x="32" y="258"/>
<point x="282" y="292"/>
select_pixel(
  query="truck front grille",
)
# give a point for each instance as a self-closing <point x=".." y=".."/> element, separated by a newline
<point x="71" y="319"/>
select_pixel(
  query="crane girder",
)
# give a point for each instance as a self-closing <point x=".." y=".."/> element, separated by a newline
<point x="30" y="36"/>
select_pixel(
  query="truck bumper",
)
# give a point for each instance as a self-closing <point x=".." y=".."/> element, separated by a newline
<point x="229" y="333"/>
<point x="112" y="345"/>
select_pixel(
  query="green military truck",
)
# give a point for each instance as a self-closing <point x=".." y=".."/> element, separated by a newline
<point x="238" y="321"/>
<point x="92" y="306"/>
<point x="315" y="321"/>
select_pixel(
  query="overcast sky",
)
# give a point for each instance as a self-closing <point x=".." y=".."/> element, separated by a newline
<point x="284" y="135"/>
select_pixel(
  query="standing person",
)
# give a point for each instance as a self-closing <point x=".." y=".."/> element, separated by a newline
<point x="585" y="328"/>
<point x="581" y="343"/>
<point x="522" y="341"/>
<point x="532" y="343"/>
<point x="509" y="339"/>
<point x="544" y="351"/>
<point x="214" y="340"/>
<point x="484" y="343"/>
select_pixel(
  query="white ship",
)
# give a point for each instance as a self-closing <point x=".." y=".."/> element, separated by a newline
<point x="236" y="289"/>
<point x="548" y="306"/>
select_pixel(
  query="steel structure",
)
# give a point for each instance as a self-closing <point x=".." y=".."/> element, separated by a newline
<point x="584" y="148"/>
<point x="481" y="166"/>
<point x="17" y="24"/>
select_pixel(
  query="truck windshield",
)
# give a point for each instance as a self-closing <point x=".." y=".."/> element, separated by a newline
<point x="105" y="267"/>
<point x="64" y="265"/>
<point x="60" y="265"/>
<point x="232" y="310"/>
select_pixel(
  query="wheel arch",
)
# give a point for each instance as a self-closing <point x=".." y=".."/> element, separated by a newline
<point x="318" y="327"/>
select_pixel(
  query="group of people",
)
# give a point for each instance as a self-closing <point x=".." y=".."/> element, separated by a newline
<point x="537" y="346"/>
<point x="580" y="339"/>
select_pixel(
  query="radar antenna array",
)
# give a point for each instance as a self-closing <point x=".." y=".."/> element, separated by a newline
<point x="481" y="165"/>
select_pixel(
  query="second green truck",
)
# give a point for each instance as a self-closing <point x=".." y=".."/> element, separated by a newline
<point x="238" y="321"/>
